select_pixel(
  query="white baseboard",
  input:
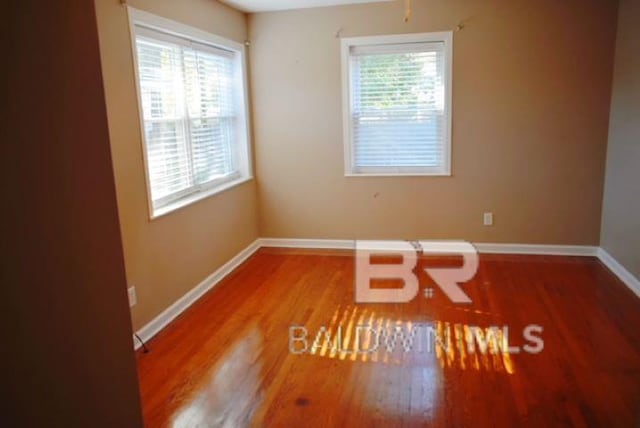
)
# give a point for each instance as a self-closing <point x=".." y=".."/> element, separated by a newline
<point x="620" y="271"/>
<point x="551" y="250"/>
<point x="332" y="244"/>
<point x="169" y="314"/>
<point x="346" y="244"/>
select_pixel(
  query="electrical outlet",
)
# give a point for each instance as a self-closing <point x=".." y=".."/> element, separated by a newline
<point x="132" y="296"/>
<point x="488" y="219"/>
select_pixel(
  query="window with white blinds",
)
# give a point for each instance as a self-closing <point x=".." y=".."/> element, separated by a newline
<point x="193" y="113"/>
<point x="397" y="112"/>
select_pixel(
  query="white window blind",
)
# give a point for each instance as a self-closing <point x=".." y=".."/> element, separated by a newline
<point x="192" y="109"/>
<point x="398" y="110"/>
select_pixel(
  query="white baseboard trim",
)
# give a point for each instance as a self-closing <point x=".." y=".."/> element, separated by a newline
<point x="332" y="244"/>
<point x="551" y="250"/>
<point x="169" y="314"/>
<point x="346" y="244"/>
<point x="620" y="271"/>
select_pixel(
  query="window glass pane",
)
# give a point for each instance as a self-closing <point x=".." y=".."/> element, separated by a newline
<point x="210" y="100"/>
<point x="209" y="84"/>
<point x="213" y="152"/>
<point x="398" y="108"/>
<point x="167" y="158"/>
<point x="160" y="74"/>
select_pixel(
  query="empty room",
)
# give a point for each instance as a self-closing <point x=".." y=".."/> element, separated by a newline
<point x="323" y="213"/>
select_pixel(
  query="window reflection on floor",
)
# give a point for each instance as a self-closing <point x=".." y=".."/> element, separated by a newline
<point x="455" y="345"/>
<point x="233" y="393"/>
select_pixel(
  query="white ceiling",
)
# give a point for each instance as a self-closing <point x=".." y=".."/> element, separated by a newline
<point x="268" y="5"/>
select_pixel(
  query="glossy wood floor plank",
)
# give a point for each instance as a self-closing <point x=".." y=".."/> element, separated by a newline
<point x="226" y="361"/>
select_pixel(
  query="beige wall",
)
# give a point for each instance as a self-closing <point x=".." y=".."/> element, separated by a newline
<point x="530" y="110"/>
<point x="168" y="256"/>
<point x="621" y="210"/>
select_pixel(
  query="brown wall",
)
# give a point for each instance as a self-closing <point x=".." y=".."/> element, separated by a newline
<point x="67" y="357"/>
<point x="621" y="210"/>
<point x="168" y="256"/>
<point x="530" y="110"/>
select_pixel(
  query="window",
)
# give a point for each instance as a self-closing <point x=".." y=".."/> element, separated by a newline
<point x="397" y="104"/>
<point x="191" y="88"/>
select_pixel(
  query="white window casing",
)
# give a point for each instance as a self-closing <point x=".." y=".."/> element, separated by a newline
<point x="192" y="96"/>
<point x="397" y="104"/>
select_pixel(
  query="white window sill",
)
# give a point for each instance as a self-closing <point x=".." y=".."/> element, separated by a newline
<point x="195" y="197"/>
<point x="398" y="174"/>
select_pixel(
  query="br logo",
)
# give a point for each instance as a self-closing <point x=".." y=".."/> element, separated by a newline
<point x="447" y="278"/>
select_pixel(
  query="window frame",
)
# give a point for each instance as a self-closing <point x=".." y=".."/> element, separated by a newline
<point x="347" y="43"/>
<point x="170" y="31"/>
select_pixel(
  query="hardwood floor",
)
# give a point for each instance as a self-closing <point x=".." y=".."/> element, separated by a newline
<point x="226" y="361"/>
